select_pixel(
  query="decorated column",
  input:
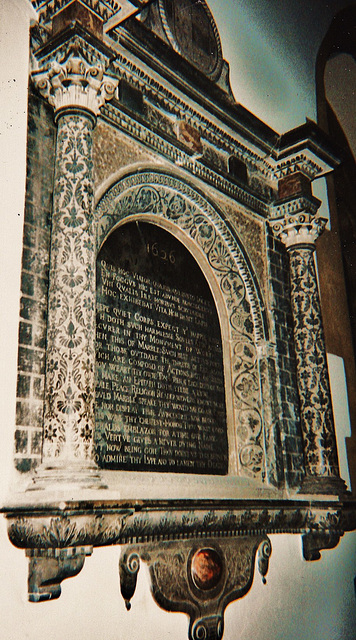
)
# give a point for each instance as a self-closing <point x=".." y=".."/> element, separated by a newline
<point x="76" y="90"/>
<point x="298" y="231"/>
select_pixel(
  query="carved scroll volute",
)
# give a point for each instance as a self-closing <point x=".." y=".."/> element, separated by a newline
<point x="128" y="569"/>
<point x="73" y="83"/>
<point x="197" y="577"/>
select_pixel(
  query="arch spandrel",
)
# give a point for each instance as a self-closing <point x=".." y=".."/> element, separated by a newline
<point x="173" y="204"/>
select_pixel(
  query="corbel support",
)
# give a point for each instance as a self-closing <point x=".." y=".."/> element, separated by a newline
<point x="315" y="542"/>
<point x="199" y="560"/>
<point x="49" y="567"/>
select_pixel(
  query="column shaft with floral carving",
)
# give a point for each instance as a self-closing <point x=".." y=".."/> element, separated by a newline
<point x="69" y="408"/>
<point x="312" y="373"/>
<point x="76" y="90"/>
<point x="299" y="232"/>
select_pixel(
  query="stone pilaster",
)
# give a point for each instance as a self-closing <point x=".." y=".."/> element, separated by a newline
<point x="298" y="231"/>
<point x="76" y="90"/>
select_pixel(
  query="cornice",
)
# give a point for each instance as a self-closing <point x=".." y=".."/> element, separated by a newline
<point x="179" y="101"/>
<point x="219" y="120"/>
<point x="74" y="37"/>
<point x="47" y="8"/>
<point x="219" y="128"/>
<point x="305" y="159"/>
<point x="166" y="95"/>
<point x="294" y="206"/>
<point x="179" y="98"/>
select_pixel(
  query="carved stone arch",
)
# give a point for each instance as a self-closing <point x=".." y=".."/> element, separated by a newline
<point x="173" y="204"/>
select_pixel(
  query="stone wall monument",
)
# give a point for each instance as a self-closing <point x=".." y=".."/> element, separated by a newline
<point x="173" y="391"/>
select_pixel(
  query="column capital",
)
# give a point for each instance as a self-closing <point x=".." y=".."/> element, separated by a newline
<point x="298" y="229"/>
<point x="73" y="83"/>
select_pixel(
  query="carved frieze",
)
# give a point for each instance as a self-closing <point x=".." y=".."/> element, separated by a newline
<point x="100" y="524"/>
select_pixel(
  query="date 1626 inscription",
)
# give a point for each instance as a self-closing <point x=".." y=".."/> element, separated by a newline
<point x="160" y="402"/>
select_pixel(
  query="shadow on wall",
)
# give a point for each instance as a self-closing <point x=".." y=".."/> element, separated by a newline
<point x="337" y="248"/>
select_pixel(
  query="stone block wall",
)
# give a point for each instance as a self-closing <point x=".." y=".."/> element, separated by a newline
<point x="290" y="429"/>
<point x="34" y="284"/>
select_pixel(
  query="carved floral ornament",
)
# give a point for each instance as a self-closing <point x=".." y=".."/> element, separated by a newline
<point x="75" y="83"/>
<point x="199" y="578"/>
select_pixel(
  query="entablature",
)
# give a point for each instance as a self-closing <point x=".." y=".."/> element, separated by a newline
<point x="215" y="136"/>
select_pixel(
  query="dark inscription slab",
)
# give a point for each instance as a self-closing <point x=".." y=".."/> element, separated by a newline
<point x="160" y="400"/>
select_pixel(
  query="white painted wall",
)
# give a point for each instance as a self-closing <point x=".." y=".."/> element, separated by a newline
<point x="301" y="601"/>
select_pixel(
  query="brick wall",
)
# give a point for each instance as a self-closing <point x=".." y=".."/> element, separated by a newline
<point x="34" y="285"/>
<point x="290" y="430"/>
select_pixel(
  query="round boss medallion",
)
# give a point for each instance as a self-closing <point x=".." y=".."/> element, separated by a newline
<point x="191" y="31"/>
<point x="206" y="569"/>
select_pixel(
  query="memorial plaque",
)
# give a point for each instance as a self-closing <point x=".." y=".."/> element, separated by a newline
<point x="160" y="398"/>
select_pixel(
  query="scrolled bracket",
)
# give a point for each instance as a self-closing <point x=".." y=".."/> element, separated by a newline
<point x="197" y="577"/>
<point x="263" y="556"/>
<point x="129" y="566"/>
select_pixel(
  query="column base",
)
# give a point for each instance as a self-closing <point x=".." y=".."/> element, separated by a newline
<point x="66" y="476"/>
<point x="328" y="485"/>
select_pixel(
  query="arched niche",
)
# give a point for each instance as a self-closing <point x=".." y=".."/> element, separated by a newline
<point x="168" y="202"/>
<point x="160" y="389"/>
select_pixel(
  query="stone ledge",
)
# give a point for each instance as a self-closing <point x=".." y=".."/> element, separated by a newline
<point x="84" y="523"/>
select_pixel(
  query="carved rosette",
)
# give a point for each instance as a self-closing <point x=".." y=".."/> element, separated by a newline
<point x="76" y="90"/>
<point x="298" y="232"/>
